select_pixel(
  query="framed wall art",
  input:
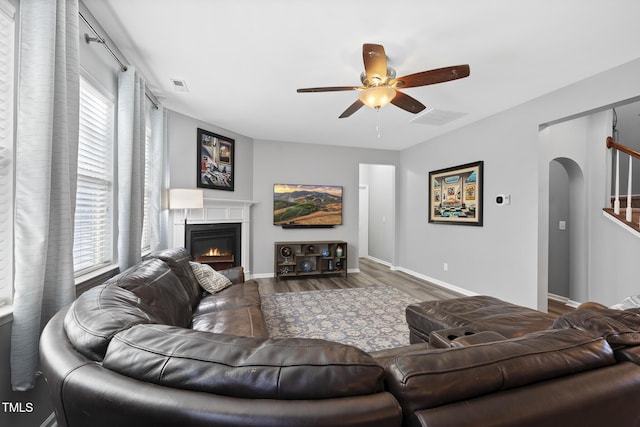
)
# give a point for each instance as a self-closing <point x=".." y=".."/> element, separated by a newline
<point x="215" y="161"/>
<point x="455" y="195"/>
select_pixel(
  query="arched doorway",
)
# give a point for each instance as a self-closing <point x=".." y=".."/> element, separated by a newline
<point x="567" y="272"/>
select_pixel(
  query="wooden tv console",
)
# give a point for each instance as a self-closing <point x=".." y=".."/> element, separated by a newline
<point x="310" y="258"/>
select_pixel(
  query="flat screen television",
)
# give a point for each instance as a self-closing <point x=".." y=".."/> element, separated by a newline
<point x="297" y="205"/>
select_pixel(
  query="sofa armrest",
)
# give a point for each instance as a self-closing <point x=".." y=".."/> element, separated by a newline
<point x="444" y="337"/>
<point x="483" y="337"/>
<point x="591" y="304"/>
<point x="235" y="274"/>
<point x="441" y="376"/>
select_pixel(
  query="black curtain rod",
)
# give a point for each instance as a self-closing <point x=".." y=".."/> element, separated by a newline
<point x="99" y="39"/>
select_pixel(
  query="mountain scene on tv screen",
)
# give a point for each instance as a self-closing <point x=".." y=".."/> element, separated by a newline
<point x="307" y="205"/>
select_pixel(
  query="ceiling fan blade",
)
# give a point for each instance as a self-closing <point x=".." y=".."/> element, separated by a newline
<point x="352" y="109"/>
<point x="375" y="62"/>
<point x="407" y="102"/>
<point x="328" y="89"/>
<point x="439" y="75"/>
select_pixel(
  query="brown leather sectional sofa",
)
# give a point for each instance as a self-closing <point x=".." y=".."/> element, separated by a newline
<point x="149" y="348"/>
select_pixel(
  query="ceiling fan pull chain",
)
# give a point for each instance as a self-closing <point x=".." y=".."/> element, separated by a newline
<point x="378" y="122"/>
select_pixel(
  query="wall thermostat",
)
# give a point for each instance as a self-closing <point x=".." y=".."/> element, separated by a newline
<point x="503" y="199"/>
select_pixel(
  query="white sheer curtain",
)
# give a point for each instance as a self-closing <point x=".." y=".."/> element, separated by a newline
<point x="46" y="171"/>
<point x="159" y="187"/>
<point x="131" y="140"/>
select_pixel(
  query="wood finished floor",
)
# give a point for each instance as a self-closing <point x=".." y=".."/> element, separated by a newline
<point x="375" y="274"/>
<point x="371" y="274"/>
<point x="558" y="308"/>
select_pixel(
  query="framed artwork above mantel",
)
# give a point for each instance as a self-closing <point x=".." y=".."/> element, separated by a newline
<point x="455" y="194"/>
<point x="215" y="161"/>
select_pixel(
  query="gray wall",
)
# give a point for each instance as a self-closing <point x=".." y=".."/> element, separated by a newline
<point x="507" y="257"/>
<point x="487" y="259"/>
<point x="183" y="158"/>
<point x="382" y="225"/>
<point x="291" y="163"/>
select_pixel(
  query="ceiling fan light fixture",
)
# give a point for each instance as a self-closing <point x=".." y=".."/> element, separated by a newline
<point x="379" y="83"/>
<point x="377" y="96"/>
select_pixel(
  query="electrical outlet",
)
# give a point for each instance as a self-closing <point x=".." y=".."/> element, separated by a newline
<point x="445" y="266"/>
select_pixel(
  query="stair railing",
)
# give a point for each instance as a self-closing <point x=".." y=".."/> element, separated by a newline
<point x="632" y="154"/>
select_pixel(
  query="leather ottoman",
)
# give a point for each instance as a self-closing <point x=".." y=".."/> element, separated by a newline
<point x="469" y="315"/>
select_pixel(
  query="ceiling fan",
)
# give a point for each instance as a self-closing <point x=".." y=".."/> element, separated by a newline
<point x="381" y="87"/>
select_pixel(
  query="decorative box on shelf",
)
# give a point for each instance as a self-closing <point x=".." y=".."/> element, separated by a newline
<point x="310" y="258"/>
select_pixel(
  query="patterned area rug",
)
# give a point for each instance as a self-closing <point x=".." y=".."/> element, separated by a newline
<point x="370" y="318"/>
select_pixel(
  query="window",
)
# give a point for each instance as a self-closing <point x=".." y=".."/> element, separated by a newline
<point x="148" y="162"/>
<point x="94" y="236"/>
<point x="7" y="38"/>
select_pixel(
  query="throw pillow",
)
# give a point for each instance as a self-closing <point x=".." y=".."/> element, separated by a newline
<point x="210" y="280"/>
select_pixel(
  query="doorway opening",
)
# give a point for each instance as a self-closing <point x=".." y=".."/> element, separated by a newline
<point x="567" y="248"/>
<point x="377" y="213"/>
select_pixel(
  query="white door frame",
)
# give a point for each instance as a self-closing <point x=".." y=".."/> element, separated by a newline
<point x="363" y="221"/>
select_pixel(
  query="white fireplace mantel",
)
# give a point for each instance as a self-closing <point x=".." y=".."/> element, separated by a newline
<point x="218" y="211"/>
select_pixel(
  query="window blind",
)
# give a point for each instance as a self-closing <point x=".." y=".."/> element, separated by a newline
<point x="7" y="31"/>
<point x="148" y="164"/>
<point x="93" y="238"/>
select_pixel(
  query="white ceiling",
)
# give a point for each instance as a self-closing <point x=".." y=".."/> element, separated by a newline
<point x="243" y="60"/>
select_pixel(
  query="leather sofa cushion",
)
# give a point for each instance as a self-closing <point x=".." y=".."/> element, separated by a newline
<point x="100" y="313"/>
<point x="242" y="321"/>
<point x="241" y="295"/>
<point x="148" y="292"/>
<point x="442" y="376"/>
<point x="618" y="327"/>
<point x="252" y="368"/>
<point x="178" y="260"/>
<point x="235" y="274"/>
<point x="159" y="288"/>
<point x="386" y="356"/>
<point x="599" y="397"/>
<point x="480" y="313"/>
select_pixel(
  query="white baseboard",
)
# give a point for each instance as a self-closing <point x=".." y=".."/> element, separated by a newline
<point x="438" y="282"/>
<point x="564" y="300"/>
<point x="272" y="275"/>
<point x="394" y="268"/>
<point x="379" y="261"/>
<point x="386" y="263"/>
<point x="423" y="277"/>
<point x="262" y="276"/>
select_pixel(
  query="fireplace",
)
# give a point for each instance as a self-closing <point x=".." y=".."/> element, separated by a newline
<point x="218" y="245"/>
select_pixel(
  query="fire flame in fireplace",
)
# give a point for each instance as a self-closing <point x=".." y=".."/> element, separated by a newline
<point x="220" y="259"/>
<point x="213" y="252"/>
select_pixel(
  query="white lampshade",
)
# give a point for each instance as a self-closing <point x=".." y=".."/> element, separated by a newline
<point x="185" y="198"/>
<point x="377" y="96"/>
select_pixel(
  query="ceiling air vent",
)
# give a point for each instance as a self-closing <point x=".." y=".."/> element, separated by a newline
<point x="437" y="117"/>
<point x="179" y="85"/>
